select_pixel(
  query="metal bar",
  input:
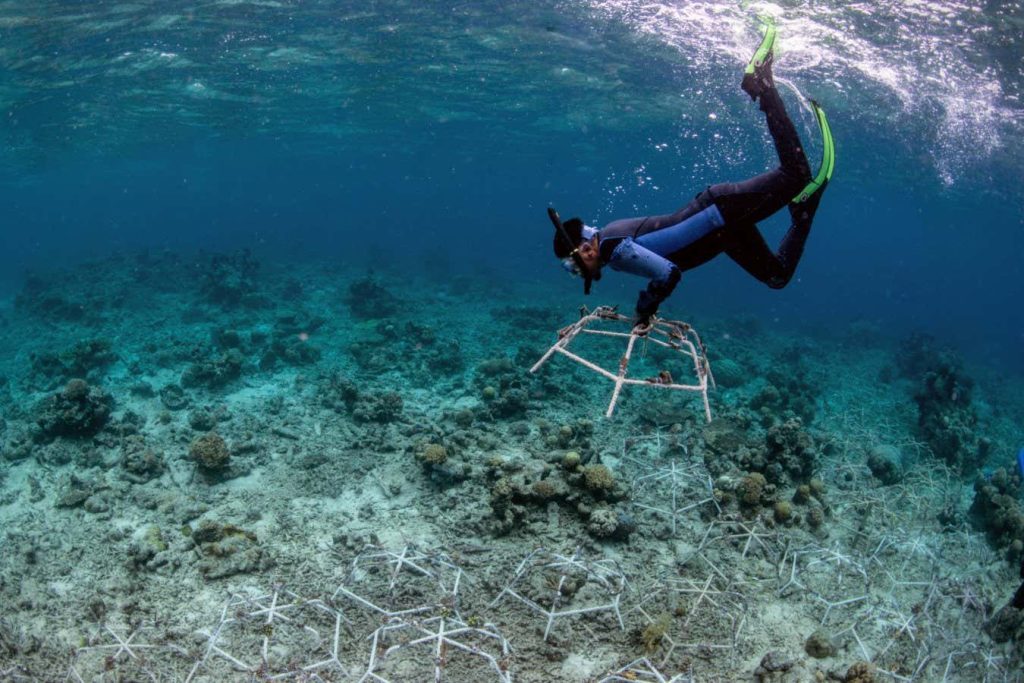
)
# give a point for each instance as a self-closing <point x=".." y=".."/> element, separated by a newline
<point x="669" y="334"/>
<point x="648" y="383"/>
<point x="561" y="343"/>
<point x="623" y="367"/>
<point x="586" y="363"/>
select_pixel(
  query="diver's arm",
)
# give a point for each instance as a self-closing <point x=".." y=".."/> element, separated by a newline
<point x="630" y="257"/>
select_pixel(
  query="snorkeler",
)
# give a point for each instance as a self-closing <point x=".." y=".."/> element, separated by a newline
<point x="720" y="219"/>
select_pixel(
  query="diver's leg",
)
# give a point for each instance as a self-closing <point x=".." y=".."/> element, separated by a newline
<point x="757" y="198"/>
<point x="741" y="202"/>
<point x="748" y="248"/>
<point x="759" y="83"/>
<point x="754" y="256"/>
<point x="754" y="199"/>
<point x="787" y="141"/>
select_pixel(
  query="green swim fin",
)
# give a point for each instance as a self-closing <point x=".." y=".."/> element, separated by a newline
<point x="828" y="158"/>
<point x="757" y="77"/>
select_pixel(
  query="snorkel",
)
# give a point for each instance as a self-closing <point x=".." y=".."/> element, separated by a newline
<point x="574" y="258"/>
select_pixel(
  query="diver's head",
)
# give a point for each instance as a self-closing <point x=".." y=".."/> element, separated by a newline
<point x="568" y="237"/>
<point x="579" y="256"/>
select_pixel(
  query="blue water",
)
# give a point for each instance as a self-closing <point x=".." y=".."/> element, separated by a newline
<point x="328" y="129"/>
<point x="192" y="446"/>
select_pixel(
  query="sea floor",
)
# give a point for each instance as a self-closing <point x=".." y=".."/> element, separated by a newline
<point x="218" y="469"/>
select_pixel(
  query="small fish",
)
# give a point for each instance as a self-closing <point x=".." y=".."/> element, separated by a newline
<point x="1020" y="462"/>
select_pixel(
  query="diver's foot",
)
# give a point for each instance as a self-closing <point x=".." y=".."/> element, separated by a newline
<point x="757" y="77"/>
<point x="802" y="213"/>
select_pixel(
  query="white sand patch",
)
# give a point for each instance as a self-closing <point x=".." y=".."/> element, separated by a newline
<point x="257" y="392"/>
<point x="789" y="626"/>
<point x="254" y="480"/>
<point x="578" y="667"/>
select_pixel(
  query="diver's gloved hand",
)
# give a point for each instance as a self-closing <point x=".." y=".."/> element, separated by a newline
<point x="657" y="291"/>
<point x="642" y="324"/>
